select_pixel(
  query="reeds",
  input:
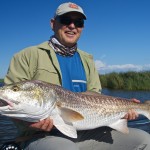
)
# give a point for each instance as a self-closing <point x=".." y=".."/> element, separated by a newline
<point x="126" y="81"/>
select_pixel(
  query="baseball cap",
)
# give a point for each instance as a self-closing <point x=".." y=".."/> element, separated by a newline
<point x="69" y="7"/>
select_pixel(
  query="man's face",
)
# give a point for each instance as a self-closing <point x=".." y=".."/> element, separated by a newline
<point x="68" y="32"/>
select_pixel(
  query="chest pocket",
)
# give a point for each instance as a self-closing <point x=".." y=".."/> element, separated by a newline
<point x="47" y="71"/>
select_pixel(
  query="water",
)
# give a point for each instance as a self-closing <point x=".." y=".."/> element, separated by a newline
<point x="8" y="130"/>
<point x="1" y="84"/>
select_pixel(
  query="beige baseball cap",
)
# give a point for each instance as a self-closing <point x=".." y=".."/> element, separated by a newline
<point x="69" y="7"/>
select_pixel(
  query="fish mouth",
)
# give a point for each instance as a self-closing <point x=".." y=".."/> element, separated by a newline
<point x="3" y="103"/>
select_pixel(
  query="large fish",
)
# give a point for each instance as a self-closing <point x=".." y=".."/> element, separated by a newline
<point x="35" y="100"/>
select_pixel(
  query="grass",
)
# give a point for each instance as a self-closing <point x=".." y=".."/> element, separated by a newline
<point x="126" y="81"/>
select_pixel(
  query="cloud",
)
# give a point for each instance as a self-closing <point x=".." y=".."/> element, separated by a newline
<point x="99" y="64"/>
<point x="104" y="68"/>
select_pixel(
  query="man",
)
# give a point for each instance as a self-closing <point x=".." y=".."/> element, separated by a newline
<point x="59" y="61"/>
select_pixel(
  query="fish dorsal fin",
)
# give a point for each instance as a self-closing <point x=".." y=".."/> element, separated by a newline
<point x="66" y="128"/>
<point x="70" y="115"/>
<point x="120" y="125"/>
<point x="90" y="93"/>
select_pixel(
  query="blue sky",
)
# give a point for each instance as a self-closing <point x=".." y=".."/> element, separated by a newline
<point x="117" y="32"/>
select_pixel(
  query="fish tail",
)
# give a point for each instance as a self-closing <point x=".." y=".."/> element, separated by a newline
<point x="148" y="104"/>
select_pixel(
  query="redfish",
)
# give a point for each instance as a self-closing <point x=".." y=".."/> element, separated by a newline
<point x="35" y="100"/>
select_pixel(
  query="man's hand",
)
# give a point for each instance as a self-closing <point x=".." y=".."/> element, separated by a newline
<point x="132" y="114"/>
<point x="44" y="125"/>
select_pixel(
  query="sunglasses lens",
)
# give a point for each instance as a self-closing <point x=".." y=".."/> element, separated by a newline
<point x="67" y="21"/>
<point x="79" y="23"/>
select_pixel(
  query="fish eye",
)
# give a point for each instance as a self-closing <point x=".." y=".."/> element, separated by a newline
<point x="15" y="88"/>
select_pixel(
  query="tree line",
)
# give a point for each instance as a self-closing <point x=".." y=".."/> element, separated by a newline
<point x="126" y="81"/>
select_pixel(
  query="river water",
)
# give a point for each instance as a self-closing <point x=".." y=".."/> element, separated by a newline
<point x="8" y="130"/>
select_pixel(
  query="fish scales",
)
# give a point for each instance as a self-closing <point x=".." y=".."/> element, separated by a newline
<point x="105" y="103"/>
<point x="35" y="100"/>
<point x="106" y="106"/>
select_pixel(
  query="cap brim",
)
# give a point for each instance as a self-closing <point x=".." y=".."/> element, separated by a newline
<point x="60" y="14"/>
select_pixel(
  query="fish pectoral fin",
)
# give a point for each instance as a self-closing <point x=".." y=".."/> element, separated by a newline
<point x="66" y="128"/>
<point x="120" y="125"/>
<point x="70" y="115"/>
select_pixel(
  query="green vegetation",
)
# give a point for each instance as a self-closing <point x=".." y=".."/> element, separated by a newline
<point x="1" y="80"/>
<point x="126" y="81"/>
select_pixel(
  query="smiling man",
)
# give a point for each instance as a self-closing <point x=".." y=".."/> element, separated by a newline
<point x="59" y="61"/>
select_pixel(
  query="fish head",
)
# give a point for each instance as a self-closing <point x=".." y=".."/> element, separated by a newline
<point x="34" y="93"/>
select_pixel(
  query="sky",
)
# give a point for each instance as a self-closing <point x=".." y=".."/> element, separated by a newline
<point x="116" y="32"/>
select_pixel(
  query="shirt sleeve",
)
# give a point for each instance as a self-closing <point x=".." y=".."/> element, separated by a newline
<point x="92" y="75"/>
<point x="94" y="83"/>
<point x="18" y="69"/>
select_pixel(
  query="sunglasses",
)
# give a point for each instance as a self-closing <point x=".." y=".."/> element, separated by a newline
<point x="67" y="21"/>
